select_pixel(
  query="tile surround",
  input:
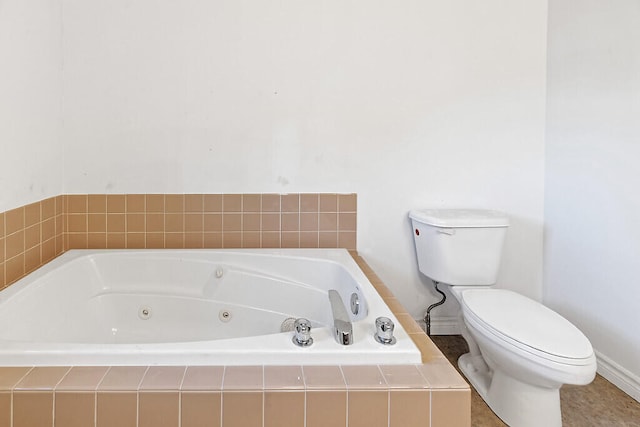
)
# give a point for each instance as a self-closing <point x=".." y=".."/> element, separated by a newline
<point x="428" y="394"/>
<point x="33" y="235"/>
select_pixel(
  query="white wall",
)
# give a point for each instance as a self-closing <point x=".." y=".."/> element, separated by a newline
<point x="410" y="104"/>
<point x="30" y="97"/>
<point x="592" y="207"/>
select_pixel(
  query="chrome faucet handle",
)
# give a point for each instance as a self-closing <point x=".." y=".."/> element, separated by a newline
<point x="384" y="331"/>
<point x="302" y="333"/>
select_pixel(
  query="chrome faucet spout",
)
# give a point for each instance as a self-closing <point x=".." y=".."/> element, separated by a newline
<point x="342" y="327"/>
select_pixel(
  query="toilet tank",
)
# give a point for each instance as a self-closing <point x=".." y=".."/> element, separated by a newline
<point x="459" y="246"/>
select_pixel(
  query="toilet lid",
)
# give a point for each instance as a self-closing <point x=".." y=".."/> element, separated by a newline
<point x="527" y="323"/>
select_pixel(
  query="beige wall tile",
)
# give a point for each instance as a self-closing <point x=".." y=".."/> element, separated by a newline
<point x="174" y="203"/>
<point x="122" y="378"/>
<point x="403" y="376"/>
<point x="290" y="222"/>
<point x="242" y="409"/>
<point x="201" y="409"/>
<point x="74" y="409"/>
<point x="328" y="203"/>
<point x="48" y="208"/>
<point x="48" y="229"/>
<point x="14" y="268"/>
<point x="347" y="222"/>
<point x="270" y="222"/>
<point x="451" y="408"/>
<point x="251" y="222"/>
<point x="154" y="203"/>
<point x="97" y="223"/>
<point x="251" y="202"/>
<point x="283" y="378"/>
<point x="326" y="408"/>
<point x="116" y="203"/>
<point x="154" y="222"/>
<point x="163" y="378"/>
<point x="212" y="240"/>
<point x="363" y="377"/>
<point x="328" y="239"/>
<point x="32" y="236"/>
<point x="82" y="378"/>
<point x="347" y="240"/>
<point x="116" y="223"/>
<point x="212" y="202"/>
<point x="251" y="239"/>
<point x="136" y="240"/>
<point x="231" y="222"/>
<point x="10" y="376"/>
<point x="42" y="378"/>
<point x="347" y="202"/>
<point x="232" y="203"/>
<point x="284" y="408"/>
<point x="270" y="239"/>
<point x="135" y="203"/>
<point x="409" y="408"/>
<point x="32" y="259"/>
<point x="14" y="244"/>
<point x="212" y="222"/>
<point x="154" y="240"/>
<point x="232" y="240"/>
<point x="77" y="223"/>
<point x="203" y="378"/>
<point x="135" y="223"/>
<point x="32" y="214"/>
<point x="97" y="240"/>
<point x="290" y="239"/>
<point x="243" y="378"/>
<point x="158" y="409"/>
<point x="309" y="239"/>
<point x="97" y="203"/>
<point x="76" y="203"/>
<point x="270" y="203"/>
<point x="368" y="408"/>
<point x="309" y="202"/>
<point x="174" y="240"/>
<point x="328" y="221"/>
<point x="31" y="409"/>
<point x="117" y="409"/>
<point x="174" y="222"/>
<point x="290" y="203"/>
<point x="5" y="409"/>
<point x="2" y="230"/>
<point x="194" y="222"/>
<point x="194" y="240"/>
<point x="194" y="203"/>
<point x="309" y="221"/>
<point x="323" y="377"/>
<point x="14" y="220"/>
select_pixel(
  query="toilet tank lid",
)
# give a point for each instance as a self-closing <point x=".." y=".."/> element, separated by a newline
<point x="460" y="218"/>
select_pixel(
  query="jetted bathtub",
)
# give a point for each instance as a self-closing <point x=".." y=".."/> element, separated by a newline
<point x="192" y="307"/>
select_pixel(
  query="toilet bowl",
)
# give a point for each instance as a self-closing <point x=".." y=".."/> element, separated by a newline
<point x="526" y="353"/>
<point x="520" y="352"/>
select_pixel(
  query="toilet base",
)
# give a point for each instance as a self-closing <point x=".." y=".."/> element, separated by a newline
<point x="518" y="404"/>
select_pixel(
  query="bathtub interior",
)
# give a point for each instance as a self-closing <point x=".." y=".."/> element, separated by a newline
<point x="155" y="296"/>
<point x="192" y="307"/>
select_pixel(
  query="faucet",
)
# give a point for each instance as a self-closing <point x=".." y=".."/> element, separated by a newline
<point x="342" y="328"/>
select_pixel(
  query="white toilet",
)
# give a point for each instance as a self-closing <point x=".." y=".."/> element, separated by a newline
<point x="520" y="352"/>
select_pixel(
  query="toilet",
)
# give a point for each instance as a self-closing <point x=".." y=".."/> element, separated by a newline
<point x="520" y="352"/>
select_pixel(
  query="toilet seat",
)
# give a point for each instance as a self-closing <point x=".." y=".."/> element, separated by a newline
<point x="526" y="324"/>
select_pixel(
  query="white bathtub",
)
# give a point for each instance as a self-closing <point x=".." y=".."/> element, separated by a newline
<point x="191" y="307"/>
